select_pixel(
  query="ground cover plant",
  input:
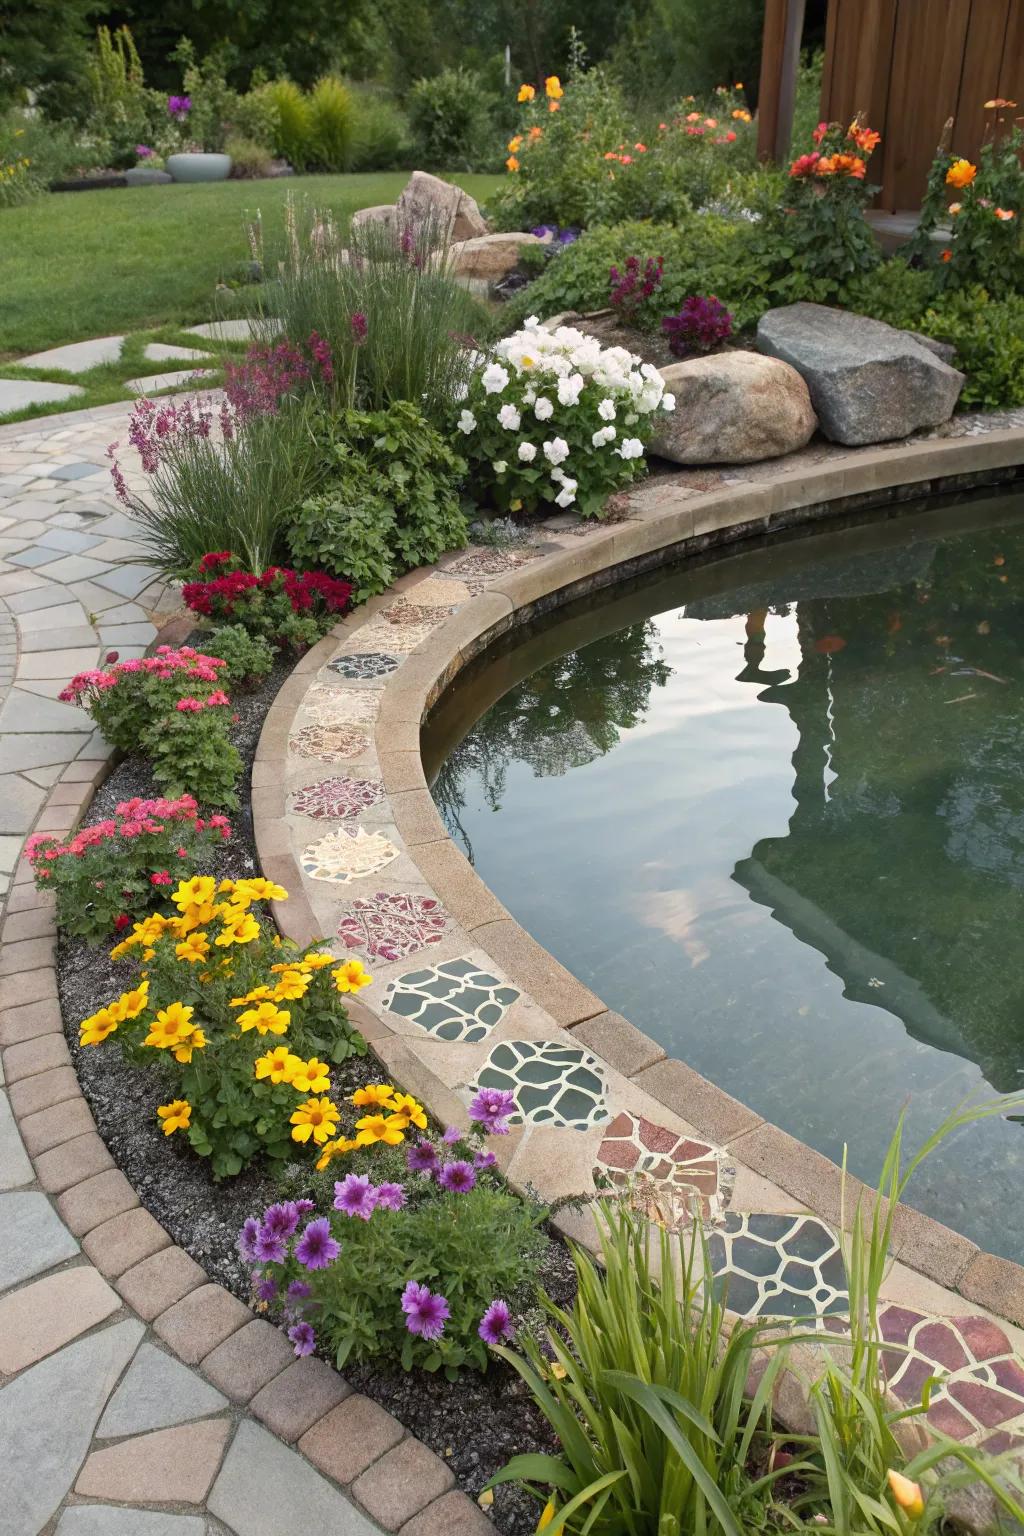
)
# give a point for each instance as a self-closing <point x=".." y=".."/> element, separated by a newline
<point x="285" y="607"/>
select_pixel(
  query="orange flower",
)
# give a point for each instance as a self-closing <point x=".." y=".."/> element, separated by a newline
<point x="738" y="86"/>
<point x="741" y="115"/>
<point x="954" y="208"/>
<point x="866" y="139"/>
<point x="511" y="164"/>
<point x="526" y="93"/>
<point x="998" y="101"/>
<point x="610" y="155"/>
<point x="961" y="173"/>
<point x="535" y="132"/>
<point x="825" y="166"/>
<point x="693" y="117"/>
<point x="711" y="122"/>
<point x="1005" y="214"/>
<point x="841" y="165"/>
<point x="805" y="165"/>
<point x="515" y="143"/>
<point x="642" y="148"/>
<point x="947" y="254"/>
<point x="906" y="1494"/>
<point x="553" y="106"/>
<point x="662" y="127"/>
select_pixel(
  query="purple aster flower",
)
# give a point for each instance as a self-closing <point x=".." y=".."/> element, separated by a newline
<point x="484" y="1160"/>
<point x="266" y="1290"/>
<point x="281" y="1220"/>
<point x="299" y="1291"/>
<point x="269" y="1248"/>
<point x="303" y="1207"/>
<point x="492" y="1107"/>
<point x="451" y="1136"/>
<point x="457" y="1177"/>
<point x="422" y="1158"/>
<point x="247" y="1239"/>
<point x="316" y="1247"/>
<point x="303" y="1337"/>
<point x="355" y="1196"/>
<point x="390" y="1196"/>
<point x="496" y="1323"/>
<point x="425" y="1313"/>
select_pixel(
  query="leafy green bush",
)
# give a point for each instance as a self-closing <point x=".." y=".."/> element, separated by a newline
<point x="986" y="243"/>
<point x="120" y="111"/>
<point x="331" y="124"/>
<point x="390" y="501"/>
<point x="821" y="239"/>
<point x="255" y="116"/>
<point x="294" y="123"/>
<point x="248" y="158"/>
<point x="248" y="658"/>
<point x="450" y="115"/>
<point x="381" y="137"/>
<point x="51" y="150"/>
<point x="989" y="338"/>
<point x="213" y="102"/>
<point x="894" y="292"/>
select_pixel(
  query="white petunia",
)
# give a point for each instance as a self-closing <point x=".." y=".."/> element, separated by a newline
<point x="543" y="408"/>
<point x="602" y="436"/>
<point x="467" y="421"/>
<point x="606" y="410"/>
<point x="556" y="451"/>
<point x="529" y="396"/>
<point x="570" y="389"/>
<point x="558" y="475"/>
<point x="494" y="378"/>
<point x="567" y="495"/>
<point x="632" y="419"/>
<point x="508" y="417"/>
<point x="461" y="390"/>
<point x="527" y="452"/>
<point x="631" y="448"/>
<point x="668" y="402"/>
<point x="531" y="323"/>
<point x="499" y="466"/>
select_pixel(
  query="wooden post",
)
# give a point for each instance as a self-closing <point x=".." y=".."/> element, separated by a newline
<point x="780" y="61"/>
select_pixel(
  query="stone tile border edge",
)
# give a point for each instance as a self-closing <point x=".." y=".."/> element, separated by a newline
<point x="637" y="543"/>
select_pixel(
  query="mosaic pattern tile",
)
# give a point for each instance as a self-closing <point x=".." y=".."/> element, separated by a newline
<point x="392" y="925"/>
<point x="332" y="743"/>
<point x="344" y="856"/>
<point x="455" y="1000"/>
<point x="768" y="1265"/>
<point x="364" y="664"/>
<point x="380" y="637"/>
<point x="404" y="614"/>
<point x="439" y="591"/>
<point x="483" y="566"/>
<point x="337" y="799"/>
<point x="668" y="1175"/>
<point x="981" y="1389"/>
<point x="554" y="1084"/>
<point x="341" y="706"/>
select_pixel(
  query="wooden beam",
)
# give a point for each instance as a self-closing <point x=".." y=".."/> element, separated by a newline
<point x="780" y="62"/>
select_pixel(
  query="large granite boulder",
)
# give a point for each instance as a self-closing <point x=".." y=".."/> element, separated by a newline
<point x="427" y="200"/>
<point x="733" y="408"/>
<point x="868" y="382"/>
<point x="490" y="257"/>
<point x="379" y="213"/>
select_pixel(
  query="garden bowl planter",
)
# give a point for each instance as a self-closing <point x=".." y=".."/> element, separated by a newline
<point x="199" y="167"/>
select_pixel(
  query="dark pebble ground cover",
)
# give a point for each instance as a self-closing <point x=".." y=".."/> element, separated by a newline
<point x="476" y="1423"/>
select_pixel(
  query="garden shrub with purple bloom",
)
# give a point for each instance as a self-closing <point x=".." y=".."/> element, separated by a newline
<point x="701" y="324"/>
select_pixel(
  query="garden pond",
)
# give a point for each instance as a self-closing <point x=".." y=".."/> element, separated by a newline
<point x="769" y="805"/>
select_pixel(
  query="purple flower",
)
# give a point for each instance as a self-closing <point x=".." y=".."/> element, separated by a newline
<point x="390" y="1196"/>
<point x="457" y="1177"/>
<point x="269" y="1248"/>
<point x="303" y="1337"/>
<point x="281" y="1220"/>
<point x="247" y="1239"/>
<point x="316" y="1247"/>
<point x="303" y="1207"/>
<point x="492" y="1107"/>
<point x="451" y="1136"/>
<point x="359" y="327"/>
<point x="496" y="1323"/>
<point x="422" y="1158"/>
<point x="266" y="1290"/>
<point x="484" y="1160"/>
<point x="355" y="1196"/>
<point x="143" y="151"/>
<point x="299" y="1291"/>
<point x="425" y="1313"/>
<point x="179" y="106"/>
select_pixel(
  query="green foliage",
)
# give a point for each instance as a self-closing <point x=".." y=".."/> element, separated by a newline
<point x="667" y="48"/>
<point x="44" y="49"/>
<point x="820" y="239"/>
<point x="255" y="117"/>
<point x="450" y="115"/>
<point x="894" y="292"/>
<point x="19" y="179"/>
<point x="390" y="500"/>
<point x="248" y="658"/>
<point x="294" y="123"/>
<point x="249" y="159"/>
<point x="213" y="101"/>
<point x="381" y="137"/>
<point x="331" y="125"/>
<point x="986" y="244"/>
<point x="119" y="105"/>
<point x="285" y="609"/>
<point x="988" y="335"/>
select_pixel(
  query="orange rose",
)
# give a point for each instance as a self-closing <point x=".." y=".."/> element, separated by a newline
<point x="961" y="173"/>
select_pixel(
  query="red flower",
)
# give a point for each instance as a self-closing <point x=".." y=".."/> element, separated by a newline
<point x="804" y="166"/>
<point x="160" y="877"/>
<point x="122" y="921"/>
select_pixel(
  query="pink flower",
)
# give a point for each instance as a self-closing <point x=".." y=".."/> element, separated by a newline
<point x="161" y="877"/>
<point x="189" y="704"/>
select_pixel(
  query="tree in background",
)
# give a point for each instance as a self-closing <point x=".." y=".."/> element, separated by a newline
<point x="43" y="47"/>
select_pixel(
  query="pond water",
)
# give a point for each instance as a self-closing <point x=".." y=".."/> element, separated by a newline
<point x="771" y="808"/>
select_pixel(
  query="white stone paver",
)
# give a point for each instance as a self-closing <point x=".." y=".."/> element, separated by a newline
<point x="163" y="352"/>
<point x="224" y="330"/>
<point x="77" y="356"/>
<point x="182" y="378"/>
<point x="15" y="394"/>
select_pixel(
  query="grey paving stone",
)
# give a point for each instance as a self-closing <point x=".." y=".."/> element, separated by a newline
<point x="73" y="568"/>
<point x="163" y="352"/>
<point x="31" y="557"/>
<point x="127" y="634"/>
<point x="224" y="330"/>
<point x="262" y="1484"/>
<point x="23" y="603"/>
<point x="15" y="394"/>
<point x="60" y="664"/>
<point x="77" y="356"/>
<point x="15" y="1166"/>
<point x="69" y="540"/>
<point x="19" y="803"/>
<point x="157" y="1392"/>
<point x="182" y="378"/>
<point x="34" y="750"/>
<point x="128" y="580"/>
<point x="116" y="1520"/>
<point x="77" y="471"/>
<point x="114" y="612"/>
<point x="35" y="1237"/>
<point x="44" y="1447"/>
<point x="49" y="616"/>
<point x="28" y="712"/>
<point x="64" y="637"/>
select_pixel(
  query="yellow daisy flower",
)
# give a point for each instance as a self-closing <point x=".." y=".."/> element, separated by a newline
<point x="278" y="1064"/>
<point x="265" y="1017"/>
<point x="311" y="1076"/>
<point x="95" y="1029"/>
<point x="406" y="1109"/>
<point x="334" y="1149"/>
<point x="239" y="928"/>
<point x="175" y="1116"/>
<point x="316" y="1119"/>
<point x="195" y="1040"/>
<point x="194" y="948"/>
<point x="313" y="962"/>
<point x="381" y="1095"/>
<point x="350" y="976"/>
<point x="255" y="996"/>
<point x="374" y="1128"/>
<point x="171" y="1025"/>
<point x="293" y="984"/>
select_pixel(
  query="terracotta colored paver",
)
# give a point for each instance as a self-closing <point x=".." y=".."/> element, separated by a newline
<point x="248" y="1360"/>
<point x="168" y="1466"/>
<point x="295" y="1400"/>
<point x="402" y="1483"/>
<point x="124" y="1241"/>
<point x="156" y="1283"/>
<point x="48" y="1313"/>
<point x="351" y="1438"/>
<point x="200" y="1321"/>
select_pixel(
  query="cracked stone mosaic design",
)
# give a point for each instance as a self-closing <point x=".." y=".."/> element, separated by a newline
<point x="455" y="1000"/>
<point x="405" y="614"/>
<point x="439" y="591"/>
<point x="668" y="1175"/>
<point x="554" y="1084"/>
<point x="981" y="1389"/>
<point x="344" y="856"/>
<point x="341" y="706"/>
<point x="332" y="743"/>
<point x="379" y="637"/>
<point x="391" y="925"/>
<point x="364" y="664"/>
<point x="768" y="1265"/>
<point x="337" y="799"/>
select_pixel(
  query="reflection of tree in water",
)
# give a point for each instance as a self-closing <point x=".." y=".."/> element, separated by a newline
<point x="563" y="716"/>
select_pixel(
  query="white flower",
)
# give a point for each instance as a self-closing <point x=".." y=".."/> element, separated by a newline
<point x="602" y="436"/>
<point x="632" y="419"/>
<point x="558" y="475"/>
<point x="467" y="421"/>
<point x="499" y="466"/>
<point x="531" y="323"/>
<point x="631" y="448"/>
<point x="569" y="389"/>
<point x="668" y="402"/>
<point x="567" y="495"/>
<point x="606" y="410"/>
<point x="508" y="417"/>
<point x="543" y="408"/>
<point x="556" y="451"/>
<point x="650" y="372"/>
<point x="527" y="452"/>
<point x="529" y="396"/>
<point x="461" y="390"/>
<point x="494" y="378"/>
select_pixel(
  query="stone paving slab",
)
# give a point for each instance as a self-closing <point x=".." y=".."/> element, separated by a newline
<point x="182" y="378"/>
<point x="15" y="394"/>
<point x="264" y="1488"/>
<point x="77" y="356"/>
<point x="164" y="352"/>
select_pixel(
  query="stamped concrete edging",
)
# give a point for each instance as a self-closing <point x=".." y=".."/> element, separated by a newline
<point x="654" y="531"/>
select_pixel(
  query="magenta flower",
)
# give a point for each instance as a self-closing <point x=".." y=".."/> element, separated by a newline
<point x="492" y="1107"/>
<point x="316" y="1247"/>
<point x="483" y="1160"/>
<point x="247" y="1239"/>
<point x="281" y="1220"/>
<point x="425" y="1312"/>
<point x="303" y="1337"/>
<point x="391" y="1197"/>
<point x="179" y="107"/>
<point x="355" y="1196"/>
<point x="457" y="1177"/>
<point x="451" y="1136"/>
<point x="143" y="151"/>
<point x="266" y="1290"/>
<point x="422" y="1158"/>
<point x="303" y="1207"/>
<point x="269" y="1248"/>
<point x="359" y="327"/>
<point x="496" y="1323"/>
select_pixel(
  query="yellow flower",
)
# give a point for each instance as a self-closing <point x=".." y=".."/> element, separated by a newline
<point x="553" y="87"/>
<point x="515" y="143"/>
<point x="239" y="928"/>
<point x="526" y="93"/>
<point x="407" y="1110"/>
<point x="334" y="1149"/>
<point x="293" y="984"/>
<point x="374" y="1128"/>
<point x="511" y="164"/>
<point x="255" y="996"/>
<point x="258" y="889"/>
<point x="175" y="1116"/>
<point x="314" y="962"/>
<point x="961" y="173"/>
<point x="547" y="1514"/>
<point x="316" y="1118"/>
<point x="741" y="115"/>
<point x="350" y="976"/>
<point x="907" y="1494"/>
<point x="278" y="1064"/>
<point x="197" y="892"/>
<point x="194" y="1040"/>
<point x="194" y="948"/>
<point x="95" y="1029"/>
<point x="131" y="1004"/>
<point x="171" y="1025"/>
<point x="380" y="1095"/>
<point x="311" y="1076"/>
<point x="264" y="1017"/>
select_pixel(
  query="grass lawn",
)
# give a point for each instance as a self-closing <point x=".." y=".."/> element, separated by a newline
<point x="80" y="264"/>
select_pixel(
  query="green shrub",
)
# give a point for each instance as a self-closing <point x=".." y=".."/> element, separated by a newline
<point x="119" y="104"/>
<point x="985" y="247"/>
<point x="255" y="116"/>
<point x="451" y="122"/>
<point x="331" y="123"/>
<point x="204" y="82"/>
<point x="989" y="338"/>
<point x="249" y="160"/>
<point x="381" y="138"/>
<point x="294" y="123"/>
<point x="894" y="292"/>
<point x="247" y="658"/>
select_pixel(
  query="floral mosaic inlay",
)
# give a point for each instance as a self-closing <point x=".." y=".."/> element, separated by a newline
<point x="344" y="856"/>
<point x="342" y="706"/>
<point x="554" y="1084"/>
<point x="333" y="743"/>
<point x="980" y="1391"/>
<point x="365" y="664"/>
<point x="667" y="1174"/>
<point x="392" y="925"/>
<point x="339" y="798"/>
<point x="768" y="1265"/>
<point x="455" y="1000"/>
